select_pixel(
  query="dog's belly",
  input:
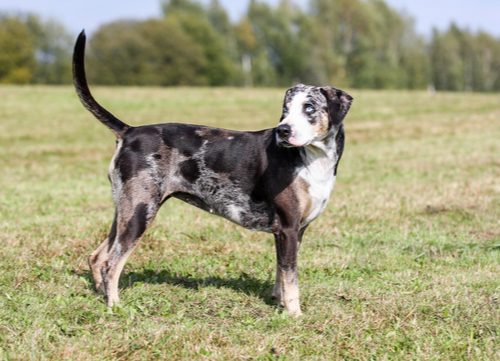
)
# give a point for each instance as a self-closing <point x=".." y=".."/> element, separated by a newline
<point x="251" y="216"/>
<point x="237" y="208"/>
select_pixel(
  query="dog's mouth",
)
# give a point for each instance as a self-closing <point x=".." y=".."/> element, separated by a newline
<point x="285" y="137"/>
<point x="289" y="142"/>
<point x="285" y="143"/>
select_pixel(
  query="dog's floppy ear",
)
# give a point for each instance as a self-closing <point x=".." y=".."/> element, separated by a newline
<point x="338" y="102"/>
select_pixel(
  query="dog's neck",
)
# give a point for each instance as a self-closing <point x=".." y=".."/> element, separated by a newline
<point x="324" y="150"/>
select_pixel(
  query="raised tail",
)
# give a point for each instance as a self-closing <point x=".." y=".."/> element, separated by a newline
<point x="82" y="89"/>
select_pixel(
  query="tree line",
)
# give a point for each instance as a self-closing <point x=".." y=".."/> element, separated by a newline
<point x="345" y="43"/>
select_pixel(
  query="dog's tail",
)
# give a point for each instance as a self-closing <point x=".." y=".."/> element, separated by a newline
<point x="82" y="89"/>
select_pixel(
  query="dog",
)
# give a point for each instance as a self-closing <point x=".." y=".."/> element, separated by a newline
<point x="275" y="180"/>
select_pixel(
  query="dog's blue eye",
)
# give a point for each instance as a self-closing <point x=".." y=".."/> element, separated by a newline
<point x="309" y="109"/>
<point x="285" y="109"/>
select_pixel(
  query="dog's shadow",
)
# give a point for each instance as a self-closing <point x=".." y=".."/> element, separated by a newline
<point x="243" y="283"/>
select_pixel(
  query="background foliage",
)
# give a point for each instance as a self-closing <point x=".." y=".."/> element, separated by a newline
<point x="347" y="43"/>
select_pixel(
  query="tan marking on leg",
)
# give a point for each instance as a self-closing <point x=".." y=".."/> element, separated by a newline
<point x="96" y="259"/>
<point x="115" y="262"/>
<point x="113" y="277"/>
<point x="290" y="297"/>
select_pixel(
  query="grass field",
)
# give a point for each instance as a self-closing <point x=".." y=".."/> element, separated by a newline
<point x="403" y="265"/>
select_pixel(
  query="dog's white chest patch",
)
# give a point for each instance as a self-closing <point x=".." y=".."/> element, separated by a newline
<point x="319" y="176"/>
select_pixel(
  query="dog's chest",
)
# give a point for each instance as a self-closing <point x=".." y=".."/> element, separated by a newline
<point x="319" y="178"/>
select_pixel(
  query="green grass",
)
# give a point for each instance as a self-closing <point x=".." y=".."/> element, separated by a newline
<point x="403" y="265"/>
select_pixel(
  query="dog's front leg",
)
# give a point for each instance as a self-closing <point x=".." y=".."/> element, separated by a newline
<point x="286" y="289"/>
<point x="277" y="290"/>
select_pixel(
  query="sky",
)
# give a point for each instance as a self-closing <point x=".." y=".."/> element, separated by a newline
<point x="90" y="14"/>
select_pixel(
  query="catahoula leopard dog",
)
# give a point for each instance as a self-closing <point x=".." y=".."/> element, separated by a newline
<point x="275" y="180"/>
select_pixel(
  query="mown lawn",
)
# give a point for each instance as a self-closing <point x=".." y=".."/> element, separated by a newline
<point x="403" y="265"/>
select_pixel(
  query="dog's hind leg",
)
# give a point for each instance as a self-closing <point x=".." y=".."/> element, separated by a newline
<point x="96" y="259"/>
<point x="100" y="255"/>
<point x="130" y="227"/>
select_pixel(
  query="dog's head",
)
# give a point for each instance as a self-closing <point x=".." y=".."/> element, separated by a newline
<point x="310" y="114"/>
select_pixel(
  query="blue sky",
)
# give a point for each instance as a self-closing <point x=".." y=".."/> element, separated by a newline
<point x="89" y="14"/>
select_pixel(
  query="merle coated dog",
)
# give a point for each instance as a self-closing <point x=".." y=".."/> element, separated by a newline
<point x="275" y="180"/>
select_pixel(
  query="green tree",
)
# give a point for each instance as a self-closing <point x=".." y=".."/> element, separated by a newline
<point x="463" y="61"/>
<point x="17" y="57"/>
<point x="192" y="18"/>
<point x="337" y="21"/>
<point x="182" y="48"/>
<point x="34" y="51"/>
<point x="284" y="36"/>
<point x="154" y="52"/>
<point x="247" y="44"/>
<point x="53" y="51"/>
<point x="172" y="7"/>
<point x="218" y="18"/>
<point x="367" y="44"/>
<point x="447" y="62"/>
<point x="487" y="64"/>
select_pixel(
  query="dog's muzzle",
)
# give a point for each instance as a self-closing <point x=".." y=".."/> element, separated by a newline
<point x="284" y="131"/>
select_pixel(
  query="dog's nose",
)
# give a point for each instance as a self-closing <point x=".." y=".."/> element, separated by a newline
<point x="284" y="130"/>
